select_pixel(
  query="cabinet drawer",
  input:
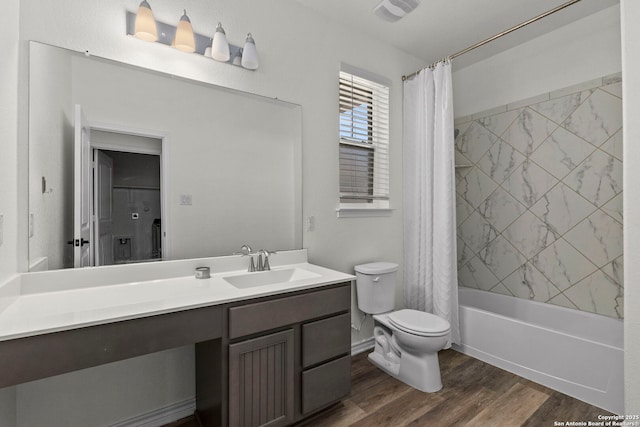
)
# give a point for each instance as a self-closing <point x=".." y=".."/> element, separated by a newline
<point x="325" y="339"/>
<point x="326" y="384"/>
<point x="263" y="316"/>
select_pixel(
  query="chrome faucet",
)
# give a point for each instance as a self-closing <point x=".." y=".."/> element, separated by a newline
<point x="263" y="258"/>
<point x="246" y="250"/>
<point x="263" y="254"/>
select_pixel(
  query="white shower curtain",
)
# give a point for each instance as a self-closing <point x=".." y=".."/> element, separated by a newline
<point x="430" y="275"/>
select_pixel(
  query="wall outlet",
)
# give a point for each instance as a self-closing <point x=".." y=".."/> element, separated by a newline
<point x="186" y="199"/>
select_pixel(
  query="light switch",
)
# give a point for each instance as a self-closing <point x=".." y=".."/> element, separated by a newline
<point x="186" y="199"/>
<point x="31" y="220"/>
<point x="135" y="215"/>
<point x="1" y="228"/>
<point x="310" y="223"/>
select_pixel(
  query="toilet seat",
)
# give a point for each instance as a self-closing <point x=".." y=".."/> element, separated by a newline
<point x="419" y="323"/>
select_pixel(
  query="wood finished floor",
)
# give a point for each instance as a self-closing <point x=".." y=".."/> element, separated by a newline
<point x="474" y="394"/>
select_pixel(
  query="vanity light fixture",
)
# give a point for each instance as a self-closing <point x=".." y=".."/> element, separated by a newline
<point x="250" y="54"/>
<point x="146" y="28"/>
<point x="220" y="45"/>
<point x="184" y="39"/>
<point x="237" y="58"/>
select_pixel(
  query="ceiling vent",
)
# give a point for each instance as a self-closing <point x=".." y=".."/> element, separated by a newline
<point x="393" y="10"/>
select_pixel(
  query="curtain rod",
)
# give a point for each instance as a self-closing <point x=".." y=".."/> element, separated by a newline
<point x="503" y="33"/>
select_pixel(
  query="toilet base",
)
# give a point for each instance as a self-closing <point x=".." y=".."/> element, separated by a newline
<point x="390" y="368"/>
<point x="421" y="373"/>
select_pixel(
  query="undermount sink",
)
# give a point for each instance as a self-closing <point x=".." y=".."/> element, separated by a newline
<point x="262" y="278"/>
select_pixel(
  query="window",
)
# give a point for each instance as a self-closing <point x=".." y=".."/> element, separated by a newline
<point x="364" y="142"/>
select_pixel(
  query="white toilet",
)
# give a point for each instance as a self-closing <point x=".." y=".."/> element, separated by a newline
<point x="407" y="342"/>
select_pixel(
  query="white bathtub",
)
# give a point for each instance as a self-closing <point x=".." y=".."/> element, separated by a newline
<point x="574" y="352"/>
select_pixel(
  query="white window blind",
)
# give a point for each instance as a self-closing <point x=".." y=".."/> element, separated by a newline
<point x="364" y="141"/>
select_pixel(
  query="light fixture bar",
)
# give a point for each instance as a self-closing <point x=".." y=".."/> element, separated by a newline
<point x="167" y="32"/>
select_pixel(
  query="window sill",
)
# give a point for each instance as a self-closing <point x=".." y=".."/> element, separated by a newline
<point x="363" y="212"/>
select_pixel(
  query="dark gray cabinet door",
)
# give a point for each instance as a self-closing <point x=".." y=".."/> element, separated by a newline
<point x="261" y="382"/>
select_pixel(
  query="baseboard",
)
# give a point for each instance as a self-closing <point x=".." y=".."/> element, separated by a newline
<point x="362" y="346"/>
<point x="161" y="416"/>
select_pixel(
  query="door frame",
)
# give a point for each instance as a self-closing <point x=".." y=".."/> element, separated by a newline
<point x="163" y="137"/>
<point x="100" y="157"/>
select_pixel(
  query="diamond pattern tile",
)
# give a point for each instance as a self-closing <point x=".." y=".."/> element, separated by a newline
<point x="613" y="145"/>
<point x="597" y="119"/>
<point x="598" y="179"/>
<point x="475" y="142"/>
<point x="476" y="232"/>
<point x="501" y="257"/>
<point x="498" y="123"/>
<point x="559" y="109"/>
<point x="599" y="294"/>
<point x="500" y="161"/>
<point x="540" y="212"/>
<point x="528" y="131"/>
<point x="563" y="264"/>
<point x="475" y="186"/>
<point x="614" y="207"/>
<point x="476" y="275"/>
<point x="529" y="182"/>
<point x="562" y="152"/>
<point x="562" y="208"/>
<point x="500" y="209"/>
<point x="529" y="235"/>
<point x="598" y="237"/>
<point x="528" y="282"/>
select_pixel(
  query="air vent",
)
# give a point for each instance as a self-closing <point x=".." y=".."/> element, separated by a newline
<point x="393" y="10"/>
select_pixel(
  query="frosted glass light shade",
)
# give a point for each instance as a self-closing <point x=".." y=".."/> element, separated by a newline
<point x="146" y="28"/>
<point x="237" y="58"/>
<point x="185" y="40"/>
<point x="250" y="54"/>
<point x="220" y="45"/>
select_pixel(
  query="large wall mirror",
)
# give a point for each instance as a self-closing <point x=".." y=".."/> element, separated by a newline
<point x="129" y="165"/>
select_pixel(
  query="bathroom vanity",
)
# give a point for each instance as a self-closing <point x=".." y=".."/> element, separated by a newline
<point x="285" y="358"/>
<point x="271" y="347"/>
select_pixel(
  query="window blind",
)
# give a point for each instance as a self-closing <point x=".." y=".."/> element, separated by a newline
<point x="364" y="140"/>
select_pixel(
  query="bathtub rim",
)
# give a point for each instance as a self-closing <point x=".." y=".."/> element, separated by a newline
<point x="602" y="338"/>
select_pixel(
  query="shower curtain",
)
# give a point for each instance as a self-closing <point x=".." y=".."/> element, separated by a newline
<point x="431" y="280"/>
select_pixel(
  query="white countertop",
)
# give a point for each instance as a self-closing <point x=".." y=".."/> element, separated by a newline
<point x="34" y="307"/>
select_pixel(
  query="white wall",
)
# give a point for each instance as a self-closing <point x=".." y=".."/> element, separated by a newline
<point x="631" y="111"/>
<point x="8" y="137"/>
<point x="583" y="50"/>
<point x="109" y="393"/>
<point x="300" y="59"/>
<point x="50" y="79"/>
<point x="8" y="170"/>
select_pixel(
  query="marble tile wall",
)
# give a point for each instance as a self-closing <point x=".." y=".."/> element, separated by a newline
<point x="539" y="198"/>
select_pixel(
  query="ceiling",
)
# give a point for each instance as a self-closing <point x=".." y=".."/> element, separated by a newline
<point x="438" y="28"/>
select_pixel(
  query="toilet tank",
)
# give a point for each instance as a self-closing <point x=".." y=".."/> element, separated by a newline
<point x="375" y="287"/>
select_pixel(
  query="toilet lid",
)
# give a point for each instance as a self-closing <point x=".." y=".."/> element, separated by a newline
<point x="376" y="268"/>
<point x="419" y="322"/>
